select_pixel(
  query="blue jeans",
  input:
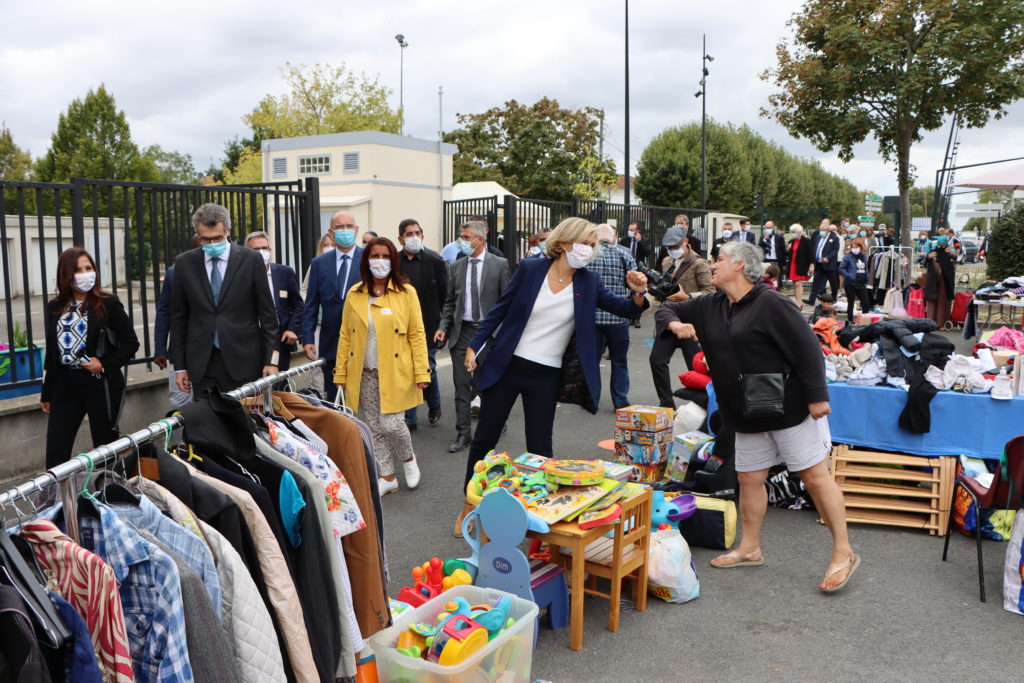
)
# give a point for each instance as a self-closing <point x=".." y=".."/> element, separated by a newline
<point x="432" y="394"/>
<point x="616" y="337"/>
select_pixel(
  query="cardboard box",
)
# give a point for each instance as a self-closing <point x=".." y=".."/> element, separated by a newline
<point x="650" y="474"/>
<point x="643" y="438"/>
<point x="682" y="453"/>
<point x="644" y="418"/>
<point x="1002" y="356"/>
<point x="643" y="455"/>
<point x="868" y="318"/>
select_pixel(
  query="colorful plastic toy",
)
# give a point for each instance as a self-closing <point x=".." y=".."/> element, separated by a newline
<point x="664" y="511"/>
<point x="459" y="577"/>
<point x="420" y="591"/>
<point x="459" y="639"/>
<point x="574" y="472"/>
<point x="491" y="472"/>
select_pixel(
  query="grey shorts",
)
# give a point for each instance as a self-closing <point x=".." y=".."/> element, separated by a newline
<point x="799" y="447"/>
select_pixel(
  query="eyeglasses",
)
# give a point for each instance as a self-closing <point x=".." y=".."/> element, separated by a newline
<point x="212" y="240"/>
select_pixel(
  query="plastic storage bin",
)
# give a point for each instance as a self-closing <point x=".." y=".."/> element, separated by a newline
<point x="507" y="658"/>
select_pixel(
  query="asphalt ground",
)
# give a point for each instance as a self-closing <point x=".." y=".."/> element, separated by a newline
<point x="905" y="616"/>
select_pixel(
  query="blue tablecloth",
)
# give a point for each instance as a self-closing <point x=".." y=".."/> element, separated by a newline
<point x="962" y="424"/>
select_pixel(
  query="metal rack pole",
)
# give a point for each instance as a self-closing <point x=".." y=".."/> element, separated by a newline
<point x="101" y="454"/>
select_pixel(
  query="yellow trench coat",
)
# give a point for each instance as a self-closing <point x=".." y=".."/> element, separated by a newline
<point x="401" y="347"/>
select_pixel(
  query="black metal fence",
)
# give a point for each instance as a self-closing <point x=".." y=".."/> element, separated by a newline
<point x="515" y="219"/>
<point x="134" y="231"/>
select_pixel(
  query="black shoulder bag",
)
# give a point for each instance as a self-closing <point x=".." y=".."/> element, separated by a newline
<point x="106" y="342"/>
<point x="763" y="393"/>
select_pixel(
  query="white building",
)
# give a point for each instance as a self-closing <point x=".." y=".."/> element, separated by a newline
<point x="381" y="178"/>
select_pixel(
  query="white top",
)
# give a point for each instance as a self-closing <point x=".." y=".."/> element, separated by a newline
<point x="370" y="357"/>
<point x="549" y="328"/>
<point x="467" y="312"/>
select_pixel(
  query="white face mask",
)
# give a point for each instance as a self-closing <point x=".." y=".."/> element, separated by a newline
<point x="676" y="253"/>
<point x="727" y="234"/>
<point x="380" y="267"/>
<point x="580" y="255"/>
<point x="265" y="253"/>
<point x="413" y="244"/>
<point x="84" y="282"/>
<point x="855" y="250"/>
<point x="534" y="250"/>
<point x="327" y="249"/>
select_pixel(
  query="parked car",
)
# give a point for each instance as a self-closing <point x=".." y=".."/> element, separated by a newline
<point x="971" y="247"/>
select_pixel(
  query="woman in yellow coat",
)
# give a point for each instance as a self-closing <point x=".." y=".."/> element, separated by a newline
<point x="382" y="358"/>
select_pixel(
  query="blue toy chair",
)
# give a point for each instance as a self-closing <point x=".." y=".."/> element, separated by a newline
<point x="500" y="564"/>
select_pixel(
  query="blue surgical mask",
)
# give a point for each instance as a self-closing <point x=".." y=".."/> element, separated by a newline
<point x="466" y="247"/>
<point x="344" y="237"/>
<point x="215" y="250"/>
<point x="863" y="233"/>
<point x="543" y="249"/>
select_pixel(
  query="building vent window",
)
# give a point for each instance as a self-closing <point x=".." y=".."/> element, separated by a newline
<point x="316" y="164"/>
<point x="351" y="162"/>
<point x="281" y="167"/>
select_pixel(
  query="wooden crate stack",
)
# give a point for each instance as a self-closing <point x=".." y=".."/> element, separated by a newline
<point x="920" y="501"/>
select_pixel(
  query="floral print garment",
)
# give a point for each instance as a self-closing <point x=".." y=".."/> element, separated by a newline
<point x="346" y="517"/>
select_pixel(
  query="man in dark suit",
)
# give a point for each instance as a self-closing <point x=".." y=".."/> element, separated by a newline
<point x="745" y="234"/>
<point x="284" y="289"/>
<point x="223" y="322"/>
<point x="474" y="286"/>
<point x="773" y="244"/>
<point x="825" y="247"/>
<point x="634" y="243"/>
<point x="331" y="275"/>
<point x="428" y="274"/>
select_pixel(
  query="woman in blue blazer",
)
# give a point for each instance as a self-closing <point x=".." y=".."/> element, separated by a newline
<point x="545" y="339"/>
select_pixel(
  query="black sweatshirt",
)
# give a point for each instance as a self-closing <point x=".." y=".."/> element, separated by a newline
<point x="762" y="332"/>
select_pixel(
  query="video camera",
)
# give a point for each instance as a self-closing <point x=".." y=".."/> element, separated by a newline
<point x="660" y="286"/>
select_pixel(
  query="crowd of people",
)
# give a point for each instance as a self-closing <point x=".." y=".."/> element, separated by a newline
<point x="378" y="311"/>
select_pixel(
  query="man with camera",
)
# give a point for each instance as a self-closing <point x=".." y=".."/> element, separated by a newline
<point x="691" y="276"/>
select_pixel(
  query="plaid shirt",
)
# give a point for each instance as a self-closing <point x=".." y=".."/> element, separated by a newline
<point x="612" y="264"/>
<point x="150" y="594"/>
<point x="183" y="543"/>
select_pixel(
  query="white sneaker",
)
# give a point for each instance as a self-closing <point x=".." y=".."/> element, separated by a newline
<point x="412" y="473"/>
<point x="474" y="406"/>
<point x="385" y="487"/>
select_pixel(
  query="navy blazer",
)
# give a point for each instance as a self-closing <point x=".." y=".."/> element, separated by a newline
<point x="322" y="292"/>
<point x="162" y="325"/>
<point x="831" y="251"/>
<point x="287" y="298"/>
<point x="513" y="309"/>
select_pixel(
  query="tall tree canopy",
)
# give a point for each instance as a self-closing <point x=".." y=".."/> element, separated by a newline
<point x="894" y="68"/>
<point x="173" y="167"/>
<point x="323" y="99"/>
<point x="740" y="165"/>
<point x="15" y="163"/>
<point x="93" y="140"/>
<point x="541" y="151"/>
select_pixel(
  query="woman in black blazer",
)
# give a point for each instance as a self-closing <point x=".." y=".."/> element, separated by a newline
<point x="799" y="260"/>
<point x="77" y="380"/>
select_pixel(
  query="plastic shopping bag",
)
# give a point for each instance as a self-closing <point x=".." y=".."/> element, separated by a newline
<point x="1013" y="569"/>
<point x="671" y="575"/>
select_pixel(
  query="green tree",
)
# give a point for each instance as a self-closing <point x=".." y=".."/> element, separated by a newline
<point x="173" y="167"/>
<point x="1005" y="256"/>
<point x="668" y="173"/>
<point x="538" y="151"/>
<point x="323" y="99"/>
<point x="15" y="163"/>
<point x="93" y="140"/>
<point x="894" y="68"/>
<point x="1003" y="197"/>
<point x="249" y="169"/>
<point x="596" y="181"/>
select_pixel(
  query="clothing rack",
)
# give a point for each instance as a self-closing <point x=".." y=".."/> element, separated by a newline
<point x="106" y="452"/>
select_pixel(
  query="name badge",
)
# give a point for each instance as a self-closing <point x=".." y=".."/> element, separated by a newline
<point x="283" y="293"/>
<point x="385" y="311"/>
<point x="275" y="358"/>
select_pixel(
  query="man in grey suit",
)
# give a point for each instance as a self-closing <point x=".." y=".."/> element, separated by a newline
<point x="223" y="320"/>
<point x="474" y="285"/>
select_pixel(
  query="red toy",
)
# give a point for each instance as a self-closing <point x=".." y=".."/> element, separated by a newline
<point x="422" y="592"/>
<point x="699" y="377"/>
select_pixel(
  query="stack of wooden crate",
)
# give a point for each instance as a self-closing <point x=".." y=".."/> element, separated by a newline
<point x="895" y="490"/>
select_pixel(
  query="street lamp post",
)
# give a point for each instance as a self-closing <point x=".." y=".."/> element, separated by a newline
<point x="401" y="80"/>
<point x="703" y="94"/>
<point x="625" y="184"/>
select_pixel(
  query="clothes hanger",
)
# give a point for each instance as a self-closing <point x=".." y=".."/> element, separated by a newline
<point x="117" y="491"/>
<point x="20" y="577"/>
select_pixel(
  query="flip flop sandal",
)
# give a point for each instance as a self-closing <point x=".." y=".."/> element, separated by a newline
<point x="742" y="561"/>
<point x="852" y="564"/>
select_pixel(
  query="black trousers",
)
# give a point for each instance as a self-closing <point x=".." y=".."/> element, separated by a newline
<point x="855" y="294"/>
<point x="330" y="390"/>
<point x="664" y="348"/>
<point x="821" y="278"/>
<point x="76" y="393"/>
<point x="216" y="376"/>
<point x="538" y="385"/>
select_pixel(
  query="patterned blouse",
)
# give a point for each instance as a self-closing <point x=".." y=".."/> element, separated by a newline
<point x="72" y="328"/>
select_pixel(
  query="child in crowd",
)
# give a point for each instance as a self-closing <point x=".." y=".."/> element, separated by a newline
<point x="824" y="309"/>
<point x="771" y="276"/>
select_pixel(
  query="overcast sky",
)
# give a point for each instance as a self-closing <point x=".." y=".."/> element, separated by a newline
<point x="185" y="72"/>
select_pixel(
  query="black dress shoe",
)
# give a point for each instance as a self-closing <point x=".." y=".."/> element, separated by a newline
<point x="435" y="415"/>
<point x="808" y="302"/>
<point x="461" y="444"/>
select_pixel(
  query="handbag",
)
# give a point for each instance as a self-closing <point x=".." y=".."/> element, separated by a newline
<point x="764" y="394"/>
<point x="572" y="382"/>
<point x="106" y="341"/>
<point x="712" y="525"/>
